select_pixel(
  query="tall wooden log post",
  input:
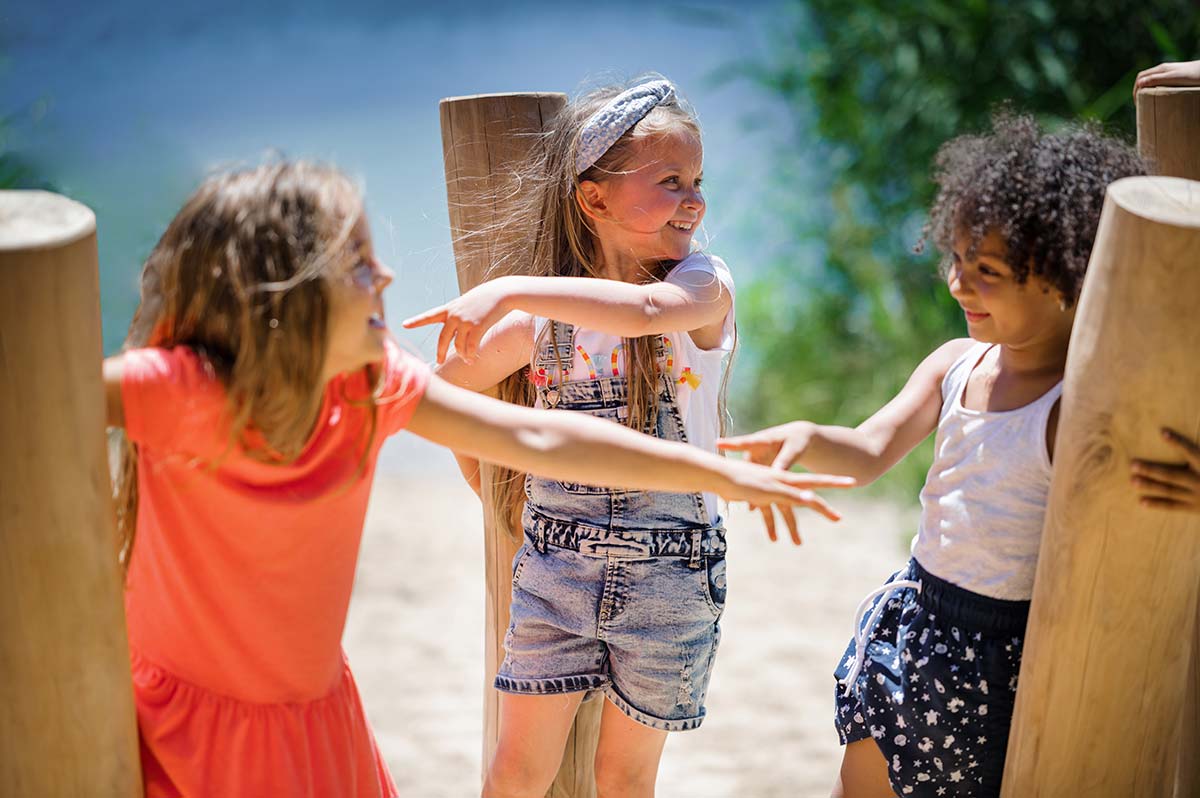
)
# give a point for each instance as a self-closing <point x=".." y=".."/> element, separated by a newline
<point x="483" y="139"/>
<point x="1168" y="125"/>
<point x="1110" y="631"/>
<point x="67" y="725"/>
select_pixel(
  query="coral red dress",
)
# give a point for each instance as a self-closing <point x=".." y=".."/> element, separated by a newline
<point x="239" y="583"/>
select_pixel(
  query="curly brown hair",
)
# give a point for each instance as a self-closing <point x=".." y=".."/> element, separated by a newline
<point x="1041" y="192"/>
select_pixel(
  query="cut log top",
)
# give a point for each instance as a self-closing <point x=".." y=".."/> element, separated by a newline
<point x="537" y="95"/>
<point x="1161" y="91"/>
<point x="41" y="220"/>
<point x="1167" y="200"/>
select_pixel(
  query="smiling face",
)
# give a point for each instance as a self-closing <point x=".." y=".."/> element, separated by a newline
<point x="651" y="210"/>
<point x="357" y="330"/>
<point x="998" y="308"/>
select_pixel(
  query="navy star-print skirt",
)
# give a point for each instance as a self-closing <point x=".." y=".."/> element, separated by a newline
<point x="937" y="686"/>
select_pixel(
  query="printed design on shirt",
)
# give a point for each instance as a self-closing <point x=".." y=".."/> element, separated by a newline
<point x="587" y="361"/>
<point x="664" y="352"/>
<point x="690" y="378"/>
<point x="617" y="352"/>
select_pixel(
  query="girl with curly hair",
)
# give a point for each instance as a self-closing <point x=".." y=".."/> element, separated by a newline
<point x="925" y="690"/>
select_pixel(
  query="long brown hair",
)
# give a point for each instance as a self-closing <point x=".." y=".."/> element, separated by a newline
<point x="549" y="234"/>
<point x="240" y="276"/>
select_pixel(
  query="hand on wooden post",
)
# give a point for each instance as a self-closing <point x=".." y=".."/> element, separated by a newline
<point x="464" y="320"/>
<point x="1170" y="486"/>
<point x="1171" y="73"/>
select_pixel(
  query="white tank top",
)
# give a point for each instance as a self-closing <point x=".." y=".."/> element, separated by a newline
<point x="984" y="500"/>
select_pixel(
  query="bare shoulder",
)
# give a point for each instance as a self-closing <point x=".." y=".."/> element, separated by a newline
<point x="939" y="361"/>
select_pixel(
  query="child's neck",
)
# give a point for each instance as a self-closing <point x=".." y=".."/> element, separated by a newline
<point x="618" y="265"/>
<point x="1037" y="358"/>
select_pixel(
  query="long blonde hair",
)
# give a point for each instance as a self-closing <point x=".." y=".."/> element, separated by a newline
<point x="240" y="276"/>
<point x="549" y="234"/>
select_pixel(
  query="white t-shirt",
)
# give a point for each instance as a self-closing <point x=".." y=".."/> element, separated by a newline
<point x="697" y="373"/>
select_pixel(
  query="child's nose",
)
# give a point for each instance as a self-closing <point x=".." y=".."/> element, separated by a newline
<point x="383" y="276"/>
<point x="694" y="200"/>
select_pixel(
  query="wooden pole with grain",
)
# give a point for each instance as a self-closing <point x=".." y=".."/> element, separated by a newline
<point x="1110" y="630"/>
<point x="67" y="723"/>
<point x="1168" y="125"/>
<point x="483" y="139"/>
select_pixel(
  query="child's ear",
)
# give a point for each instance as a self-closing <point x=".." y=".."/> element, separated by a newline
<point x="591" y="198"/>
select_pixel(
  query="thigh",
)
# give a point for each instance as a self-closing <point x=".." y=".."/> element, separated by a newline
<point x="533" y="731"/>
<point x="627" y="754"/>
<point x="864" y="772"/>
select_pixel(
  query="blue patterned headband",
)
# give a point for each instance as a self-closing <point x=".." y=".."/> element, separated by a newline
<point x="618" y="115"/>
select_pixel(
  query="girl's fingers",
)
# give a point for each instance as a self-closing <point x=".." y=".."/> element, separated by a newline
<point x="1185" y="444"/>
<point x="1166" y="472"/>
<point x="447" y="335"/>
<point x="1158" y="489"/>
<point x="784" y="458"/>
<point x="1165" y="504"/>
<point x="768" y="516"/>
<point x="738" y="443"/>
<point x="806" y="480"/>
<point x="434" y="316"/>
<point x="789" y="518"/>
<point x="815" y="502"/>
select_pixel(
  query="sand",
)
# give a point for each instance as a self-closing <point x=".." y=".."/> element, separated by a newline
<point x="415" y="640"/>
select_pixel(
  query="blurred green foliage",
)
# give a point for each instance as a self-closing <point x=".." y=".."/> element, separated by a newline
<point x="869" y="90"/>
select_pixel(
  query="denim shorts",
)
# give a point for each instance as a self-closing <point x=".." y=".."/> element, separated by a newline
<point x="937" y="687"/>
<point x="631" y="614"/>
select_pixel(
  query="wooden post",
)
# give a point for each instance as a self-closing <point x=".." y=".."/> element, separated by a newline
<point x="1168" y="124"/>
<point x="67" y="725"/>
<point x="1110" y="631"/>
<point x="483" y="138"/>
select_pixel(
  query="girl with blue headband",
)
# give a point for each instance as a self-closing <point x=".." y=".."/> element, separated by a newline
<point x="618" y="316"/>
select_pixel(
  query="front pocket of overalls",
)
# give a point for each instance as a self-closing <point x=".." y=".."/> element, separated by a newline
<point x="519" y="560"/>
<point x="715" y="584"/>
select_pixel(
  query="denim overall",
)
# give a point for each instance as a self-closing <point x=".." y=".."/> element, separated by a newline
<point x="618" y="591"/>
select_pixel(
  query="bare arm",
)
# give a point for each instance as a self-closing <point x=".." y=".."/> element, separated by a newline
<point x="505" y="349"/>
<point x="618" y="308"/>
<point x="113" y="369"/>
<point x="869" y="450"/>
<point x="577" y="447"/>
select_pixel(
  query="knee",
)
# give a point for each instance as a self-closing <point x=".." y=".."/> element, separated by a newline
<point x="618" y="778"/>
<point x="511" y="775"/>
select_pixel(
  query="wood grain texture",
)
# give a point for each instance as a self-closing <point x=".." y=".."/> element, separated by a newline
<point x="67" y="727"/>
<point x="484" y="137"/>
<point x="1168" y="127"/>
<point x="1109" y="638"/>
<point x="1169" y="139"/>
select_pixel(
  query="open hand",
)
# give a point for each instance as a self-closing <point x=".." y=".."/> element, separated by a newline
<point x="464" y="320"/>
<point x="770" y="490"/>
<point x="1170" y="486"/>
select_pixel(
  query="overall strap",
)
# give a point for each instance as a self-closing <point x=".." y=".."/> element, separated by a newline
<point x="555" y="352"/>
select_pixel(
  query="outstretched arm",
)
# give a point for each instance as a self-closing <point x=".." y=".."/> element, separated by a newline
<point x="692" y="303"/>
<point x="867" y="451"/>
<point x="577" y="447"/>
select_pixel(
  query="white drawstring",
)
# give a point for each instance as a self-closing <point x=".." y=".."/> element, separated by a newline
<point x="862" y="633"/>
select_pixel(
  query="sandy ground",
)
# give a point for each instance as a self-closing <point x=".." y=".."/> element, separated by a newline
<point x="415" y="639"/>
